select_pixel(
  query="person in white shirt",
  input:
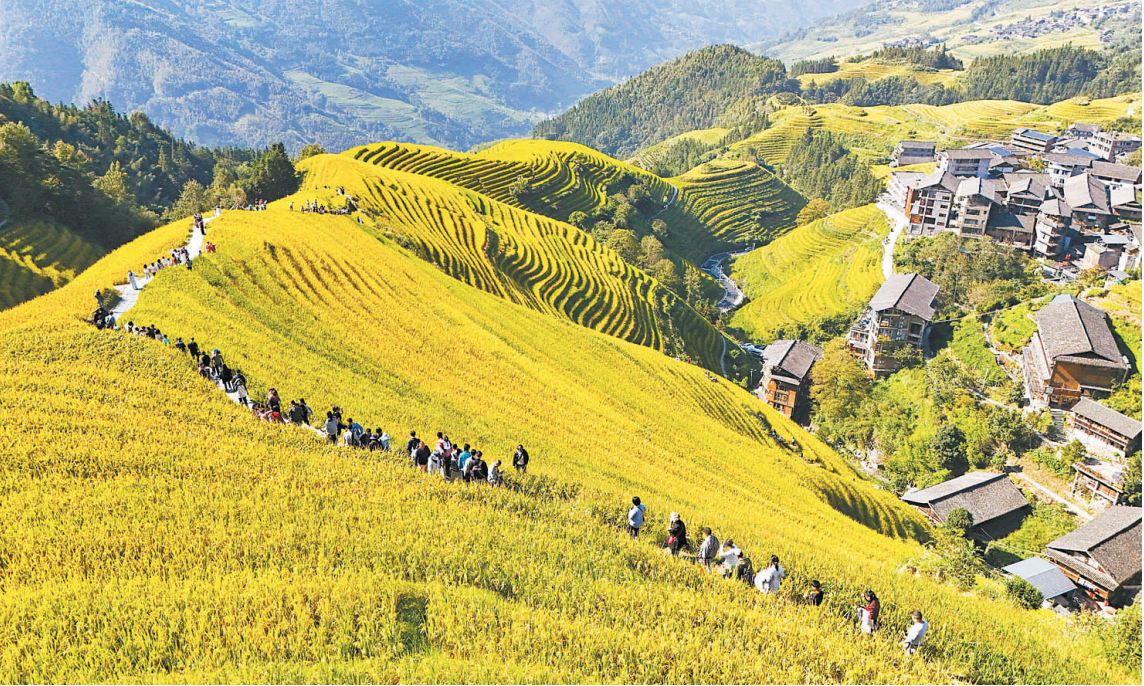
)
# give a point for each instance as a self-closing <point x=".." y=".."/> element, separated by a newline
<point x="729" y="555"/>
<point x="915" y="634"/>
<point x="770" y="579"/>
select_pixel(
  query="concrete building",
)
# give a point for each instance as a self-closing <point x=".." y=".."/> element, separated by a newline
<point x="1110" y="145"/>
<point x="972" y="202"/>
<point x="1062" y="166"/>
<point x="1033" y="141"/>
<point x="786" y="376"/>
<point x="898" y="316"/>
<point x="1073" y="354"/>
<point x="899" y="187"/>
<point x="929" y="203"/>
<point x="964" y="162"/>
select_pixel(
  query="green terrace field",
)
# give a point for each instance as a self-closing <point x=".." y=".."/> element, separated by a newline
<point x="647" y="157"/>
<point x="154" y="532"/>
<point x="520" y="256"/>
<point x="729" y="203"/>
<point x="38" y="257"/>
<point x="826" y="268"/>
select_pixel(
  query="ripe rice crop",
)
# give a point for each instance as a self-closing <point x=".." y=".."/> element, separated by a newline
<point x="155" y="533"/>
<point x="38" y="257"/>
<point x="830" y="266"/>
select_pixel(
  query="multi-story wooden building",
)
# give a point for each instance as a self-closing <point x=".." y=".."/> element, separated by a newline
<point x="786" y="376"/>
<point x="1117" y="432"/>
<point x="1051" y="228"/>
<point x="898" y="315"/>
<point x="1033" y="141"/>
<point x="1073" y="354"/>
<point x="913" y="152"/>
<point x="1102" y="556"/>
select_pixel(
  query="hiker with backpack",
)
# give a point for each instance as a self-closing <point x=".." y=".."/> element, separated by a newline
<point x="677" y="535"/>
<point x="520" y="460"/>
<point x="636" y="517"/>
<point x="770" y="579"/>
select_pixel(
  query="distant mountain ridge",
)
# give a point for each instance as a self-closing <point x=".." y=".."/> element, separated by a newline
<point x="347" y="72"/>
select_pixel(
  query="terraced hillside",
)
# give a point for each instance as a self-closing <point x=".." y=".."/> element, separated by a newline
<point x="208" y="547"/>
<point x="647" y="158"/>
<point x="38" y="257"/>
<point x="872" y="132"/>
<point x="826" y="268"/>
<point x="729" y="203"/>
<point x="523" y="257"/>
<point x="562" y="177"/>
<point x="873" y="70"/>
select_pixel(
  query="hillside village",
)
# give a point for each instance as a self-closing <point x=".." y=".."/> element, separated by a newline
<point x="1071" y="204"/>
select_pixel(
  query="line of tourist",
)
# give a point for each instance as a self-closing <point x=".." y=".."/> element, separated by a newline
<point x="730" y="562"/>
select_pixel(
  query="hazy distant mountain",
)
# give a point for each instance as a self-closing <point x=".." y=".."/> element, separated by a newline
<point x="340" y="72"/>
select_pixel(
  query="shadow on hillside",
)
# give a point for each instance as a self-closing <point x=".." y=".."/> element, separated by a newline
<point x="870" y="513"/>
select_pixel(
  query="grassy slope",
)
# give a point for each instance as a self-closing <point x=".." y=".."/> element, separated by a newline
<point x="523" y="257"/>
<point x="828" y="267"/>
<point x="873" y="70"/>
<point x="38" y="257"/>
<point x="187" y="542"/>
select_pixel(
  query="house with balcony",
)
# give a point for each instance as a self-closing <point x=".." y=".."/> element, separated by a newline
<point x="1111" y="145"/>
<point x="1051" y="228"/>
<point x="1014" y="230"/>
<point x="1089" y="201"/>
<point x="1102" y="556"/>
<point x="929" y="203"/>
<point x="1072" y="355"/>
<point x="1103" y="429"/>
<point x="964" y="162"/>
<point x="1025" y="193"/>
<point x="972" y="202"/>
<point x="786" y="376"/>
<point x="1113" y="175"/>
<point x="898" y="316"/>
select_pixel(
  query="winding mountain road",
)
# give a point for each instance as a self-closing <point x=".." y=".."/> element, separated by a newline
<point x="670" y="201"/>
<point x="713" y="267"/>
<point x="897" y="222"/>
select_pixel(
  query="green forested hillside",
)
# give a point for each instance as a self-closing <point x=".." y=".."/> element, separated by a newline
<point x="692" y="92"/>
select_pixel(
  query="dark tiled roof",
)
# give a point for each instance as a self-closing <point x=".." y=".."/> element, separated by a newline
<point x="1112" y="538"/>
<point x="907" y="292"/>
<point x="986" y="496"/>
<point x="1027" y="184"/>
<point x="1086" y="193"/>
<point x="1012" y="222"/>
<point x="945" y="181"/>
<point x="1108" y="417"/>
<point x="1124" y="172"/>
<point x="1072" y="328"/>
<point x="924" y="145"/>
<point x="793" y="357"/>
<point x="1055" y="207"/>
<point x="986" y="188"/>
<point x="1067" y="159"/>
<point x="967" y="154"/>
<point x="1045" y="576"/>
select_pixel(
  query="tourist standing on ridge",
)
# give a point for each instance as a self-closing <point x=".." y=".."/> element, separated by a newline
<point x="421" y="456"/>
<point x="520" y="459"/>
<point x="677" y="535"/>
<point x="131" y="280"/>
<point x="708" y="548"/>
<point x="770" y="579"/>
<point x="411" y="447"/>
<point x="495" y="473"/>
<point x="636" y="517"/>
<point x="868" y="615"/>
<point x="916" y="634"/>
<point x="193" y="348"/>
<point x="331" y="427"/>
